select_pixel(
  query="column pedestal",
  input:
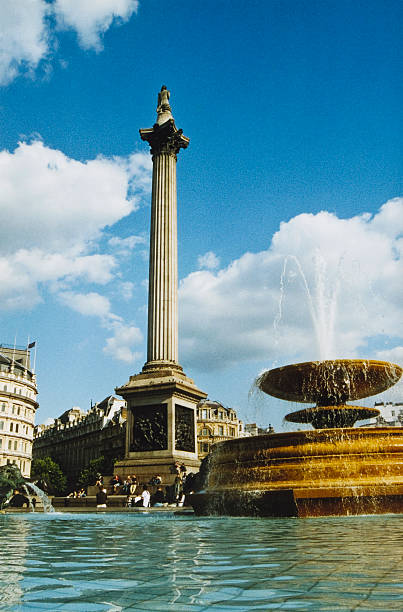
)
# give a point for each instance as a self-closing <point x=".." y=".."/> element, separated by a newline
<point x="161" y="424"/>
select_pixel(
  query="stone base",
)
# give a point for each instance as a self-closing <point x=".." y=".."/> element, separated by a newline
<point x="164" y="388"/>
<point x="299" y="502"/>
<point x="146" y="468"/>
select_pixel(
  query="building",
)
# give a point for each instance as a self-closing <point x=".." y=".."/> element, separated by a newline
<point x="391" y="415"/>
<point x="252" y="429"/>
<point x="215" y="423"/>
<point x="18" y="405"/>
<point x="77" y="437"/>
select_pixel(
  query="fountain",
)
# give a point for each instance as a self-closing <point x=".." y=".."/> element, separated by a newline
<point x="335" y="469"/>
<point x="12" y="482"/>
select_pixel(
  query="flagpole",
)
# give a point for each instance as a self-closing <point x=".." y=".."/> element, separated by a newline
<point x="33" y="369"/>
<point x="15" y="342"/>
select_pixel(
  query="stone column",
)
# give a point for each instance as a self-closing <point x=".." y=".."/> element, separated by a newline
<point x="161" y="399"/>
<point x="165" y="141"/>
<point x="163" y="276"/>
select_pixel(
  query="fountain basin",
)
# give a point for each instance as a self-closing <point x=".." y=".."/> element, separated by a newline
<point x="330" y="382"/>
<point x="332" y="416"/>
<point x="307" y="473"/>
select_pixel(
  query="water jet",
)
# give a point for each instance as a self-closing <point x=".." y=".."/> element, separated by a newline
<point x="12" y="482"/>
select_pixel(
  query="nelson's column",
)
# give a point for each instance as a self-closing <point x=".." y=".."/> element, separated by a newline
<point x="161" y="400"/>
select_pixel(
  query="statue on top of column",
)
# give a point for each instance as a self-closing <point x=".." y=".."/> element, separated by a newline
<point x="163" y="108"/>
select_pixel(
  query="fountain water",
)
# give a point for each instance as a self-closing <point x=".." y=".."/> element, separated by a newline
<point x="11" y="480"/>
<point x="46" y="503"/>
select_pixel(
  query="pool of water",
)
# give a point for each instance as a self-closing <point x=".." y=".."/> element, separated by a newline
<point x="139" y="562"/>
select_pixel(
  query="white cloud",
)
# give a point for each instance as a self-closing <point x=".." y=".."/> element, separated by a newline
<point x="124" y="337"/>
<point x="27" y="35"/>
<point x="89" y="304"/>
<point x="209" y="261"/>
<point x="258" y="307"/>
<point x="395" y="355"/>
<point x="22" y="274"/>
<point x="55" y="210"/>
<point x="23" y="36"/>
<point x="91" y="18"/>
<point x="126" y="289"/>
<point x="124" y="246"/>
<point x="52" y="201"/>
<point x="120" y="344"/>
<point x="57" y="213"/>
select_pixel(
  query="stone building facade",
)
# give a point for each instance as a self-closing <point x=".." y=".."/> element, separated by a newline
<point x="391" y="415"/>
<point x="252" y="429"/>
<point x="77" y="437"/>
<point x="215" y="423"/>
<point x="18" y="393"/>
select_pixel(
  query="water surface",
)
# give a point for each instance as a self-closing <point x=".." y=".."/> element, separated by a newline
<point x="117" y="562"/>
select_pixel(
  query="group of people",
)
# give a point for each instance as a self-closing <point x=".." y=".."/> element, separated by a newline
<point x="172" y="494"/>
<point x="124" y="487"/>
<point x="79" y="493"/>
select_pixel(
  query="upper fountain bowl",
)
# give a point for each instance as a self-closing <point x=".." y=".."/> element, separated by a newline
<point x="330" y="382"/>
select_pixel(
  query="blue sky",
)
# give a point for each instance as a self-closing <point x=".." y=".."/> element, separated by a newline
<point x="293" y="110"/>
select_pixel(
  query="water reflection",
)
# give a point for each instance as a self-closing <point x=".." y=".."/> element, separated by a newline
<point x="13" y="559"/>
<point x="147" y="562"/>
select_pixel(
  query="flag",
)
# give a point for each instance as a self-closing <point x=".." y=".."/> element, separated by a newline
<point x="31" y="345"/>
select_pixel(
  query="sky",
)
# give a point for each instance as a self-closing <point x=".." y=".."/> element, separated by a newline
<point x="290" y="202"/>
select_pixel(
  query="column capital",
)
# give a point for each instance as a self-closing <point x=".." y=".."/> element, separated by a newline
<point x="165" y="138"/>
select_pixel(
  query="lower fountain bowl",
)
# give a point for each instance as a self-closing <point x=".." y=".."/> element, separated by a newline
<point x="322" y="417"/>
<point x="307" y="473"/>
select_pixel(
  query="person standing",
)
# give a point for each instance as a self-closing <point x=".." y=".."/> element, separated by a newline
<point x="101" y="497"/>
<point x="144" y="499"/>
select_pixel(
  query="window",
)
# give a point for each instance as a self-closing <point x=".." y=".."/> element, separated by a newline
<point x="3" y="407"/>
<point x="15" y="444"/>
<point x="19" y="410"/>
<point x="1" y="442"/>
<point x="220" y="415"/>
<point x="9" y="445"/>
<point x="231" y="431"/>
<point x="205" y="431"/>
<point x="16" y="428"/>
<point x="220" y="430"/>
<point x="11" y="426"/>
<point x="13" y="409"/>
<point x="2" y="425"/>
<point x="204" y="413"/>
<point x="205" y="447"/>
<point x="5" y="388"/>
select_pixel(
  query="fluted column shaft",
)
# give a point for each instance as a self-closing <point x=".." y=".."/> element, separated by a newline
<point x="162" y="343"/>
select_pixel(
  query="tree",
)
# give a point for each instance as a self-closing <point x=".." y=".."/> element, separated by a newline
<point x="11" y="480"/>
<point x="48" y="475"/>
<point x="91" y="473"/>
